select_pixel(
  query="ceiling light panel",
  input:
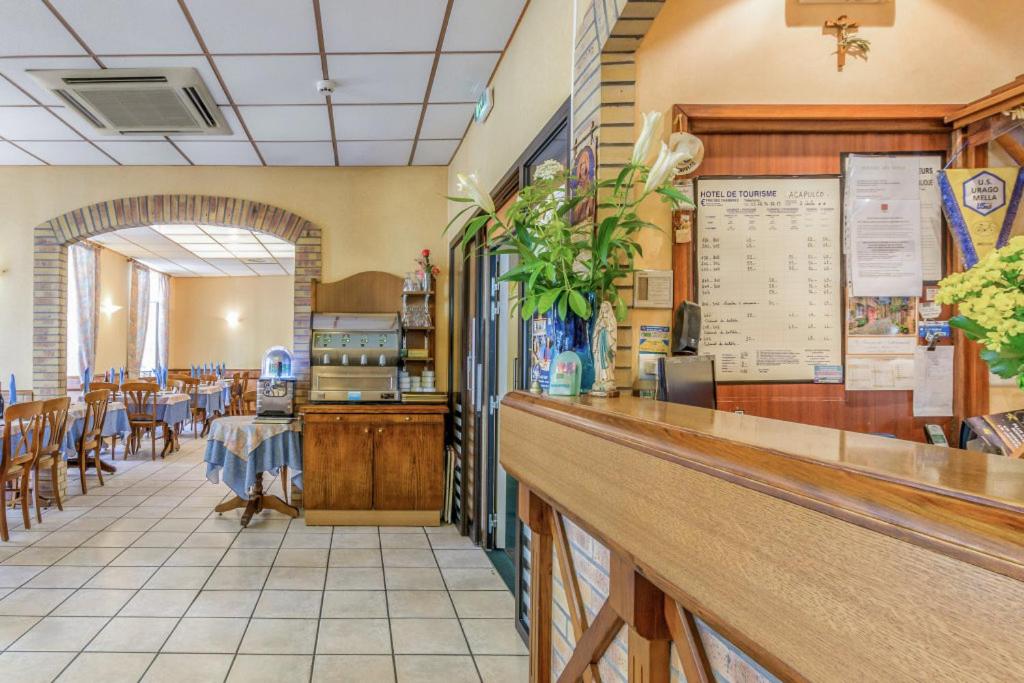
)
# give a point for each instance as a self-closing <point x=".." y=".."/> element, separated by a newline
<point x="192" y="239"/>
<point x="269" y="25"/>
<point x="382" y="25"/>
<point x="219" y="230"/>
<point x="481" y="24"/>
<point x="178" y="229"/>
<point x="380" y="78"/>
<point x="127" y="27"/>
<point x="246" y="238"/>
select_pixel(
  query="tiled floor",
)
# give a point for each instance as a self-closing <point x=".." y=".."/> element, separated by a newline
<point x="140" y="580"/>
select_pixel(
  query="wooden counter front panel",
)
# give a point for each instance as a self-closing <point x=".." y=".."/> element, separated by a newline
<point x="338" y="462"/>
<point x="407" y="463"/>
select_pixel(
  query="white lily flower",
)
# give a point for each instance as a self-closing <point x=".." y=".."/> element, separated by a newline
<point x="692" y="145"/>
<point x="651" y="130"/>
<point x="664" y="167"/>
<point x="471" y="186"/>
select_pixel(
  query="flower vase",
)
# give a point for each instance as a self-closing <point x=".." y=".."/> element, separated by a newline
<point x="569" y="334"/>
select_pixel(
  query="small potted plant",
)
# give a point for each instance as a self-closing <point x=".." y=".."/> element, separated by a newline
<point x="427" y="270"/>
<point x="569" y="272"/>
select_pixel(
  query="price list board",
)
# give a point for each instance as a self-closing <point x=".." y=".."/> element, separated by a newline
<point x="769" y="277"/>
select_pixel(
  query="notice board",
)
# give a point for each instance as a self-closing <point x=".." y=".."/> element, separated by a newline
<point x="769" y="277"/>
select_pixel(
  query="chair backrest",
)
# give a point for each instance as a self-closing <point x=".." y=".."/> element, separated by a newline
<point x="208" y="379"/>
<point x="112" y="387"/>
<point x="96" y="403"/>
<point x="55" y="424"/>
<point x="148" y="380"/>
<point x="249" y="401"/>
<point x="176" y="385"/>
<point x="140" y="400"/>
<point x="23" y="429"/>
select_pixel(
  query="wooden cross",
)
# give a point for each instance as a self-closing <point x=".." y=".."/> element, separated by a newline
<point x="845" y="43"/>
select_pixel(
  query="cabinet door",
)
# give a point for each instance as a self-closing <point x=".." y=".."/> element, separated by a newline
<point x="337" y="462"/>
<point x="408" y="456"/>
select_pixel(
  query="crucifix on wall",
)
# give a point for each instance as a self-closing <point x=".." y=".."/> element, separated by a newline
<point x="846" y="42"/>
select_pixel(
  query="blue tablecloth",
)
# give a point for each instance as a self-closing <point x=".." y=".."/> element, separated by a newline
<point x="172" y="413"/>
<point x="116" y="423"/>
<point x="238" y="449"/>
<point x="212" y="402"/>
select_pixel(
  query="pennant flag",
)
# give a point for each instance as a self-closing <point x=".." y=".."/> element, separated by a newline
<point x="980" y="205"/>
<point x="86" y="380"/>
<point x="13" y="389"/>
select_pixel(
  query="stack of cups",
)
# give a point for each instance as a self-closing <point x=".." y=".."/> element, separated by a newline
<point x="415" y="384"/>
<point x="428" y="380"/>
<point x="403" y="381"/>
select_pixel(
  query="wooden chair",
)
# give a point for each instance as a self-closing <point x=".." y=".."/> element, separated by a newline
<point x="51" y="451"/>
<point x="96" y="404"/>
<point x="249" y="402"/>
<point x="22" y="422"/>
<point x="196" y="413"/>
<point x="140" y="401"/>
<point x="113" y="388"/>
<point x="208" y="379"/>
<point x="239" y="385"/>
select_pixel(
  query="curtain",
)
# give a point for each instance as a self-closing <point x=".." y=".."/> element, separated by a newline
<point x="138" y="316"/>
<point x="86" y="265"/>
<point x="161" y="288"/>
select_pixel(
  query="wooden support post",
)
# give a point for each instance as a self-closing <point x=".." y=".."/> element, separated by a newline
<point x="641" y="605"/>
<point x="536" y="514"/>
<point x="689" y="646"/>
<point x="573" y="596"/>
<point x="592" y="644"/>
<point x="648" y="659"/>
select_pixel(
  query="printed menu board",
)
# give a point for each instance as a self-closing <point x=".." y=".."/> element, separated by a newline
<point x="769" y="278"/>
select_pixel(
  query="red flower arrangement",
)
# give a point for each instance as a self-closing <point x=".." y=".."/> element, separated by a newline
<point x="423" y="261"/>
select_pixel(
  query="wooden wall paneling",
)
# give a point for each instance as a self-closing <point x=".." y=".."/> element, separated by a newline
<point x="808" y="140"/>
<point x="368" y="292"/>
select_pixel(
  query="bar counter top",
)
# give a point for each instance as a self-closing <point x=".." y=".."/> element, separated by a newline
<point x="376" y="408"/>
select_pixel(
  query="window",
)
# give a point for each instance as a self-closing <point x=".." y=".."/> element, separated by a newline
<point x="151" y="352"/>
<point x="74" y="371"/>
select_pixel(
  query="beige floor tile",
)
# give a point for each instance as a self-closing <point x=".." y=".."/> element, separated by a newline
<point x="180" y="577"/>
<point x="60" y="634"/>
<point x="408" y="557"/>
<point x="12" y="576"/>
<point x="451" y="542"/>
<point x="121" y="577"/>
<point x="237" y="578"/>
<point x="354" y="557"/>
<point x="195" y="557"/>
<point x="355" y="578"/>
<point x="62" y="577"/>
<point x="354" y="604"/>
<point x="276" y="668"/>
<point x="248" y="557"/>
<point x="503" y="669"/>
<point x="133" y="634"/>
<point x="413" y="578"/>
<point x="132" y="524"/>
<point x="82" y="524"/>
<point x="89" y="557"/>
<point x="459" y="579"/>
<point x="493" y="637"/>
<point x="98" y="602"/>
<point x="7" y="552"/>
<point x="353" y="636"/>
<point x="353" y="669"/>
<point x="435" y="669"/>
<point x="299" y="525"/>
<point x="415" y="541"/>
<point x="401" y="529"/>
<point x="296" y="578"/>
<point x="206" y="635"/>
<point x="201" y="668"/>
<point x="12" y="628"/>
<point x="289" y="604"/>
<point x="428" y="637"/>
<point x="218" y="524"/>
<point x="301" y="557"/>
<point x="280" y="637"/>
<point x="484" y="604"/>
<point x="305" y="540"/>
<point x="160" y="539"/>
<point x="108" y="667"/>
<point x="113" y="539"/>
<point x="20" y="537"/>
<point x="224" y="604"/>
<point x="188" y="525"/>
<point x="256" y="539"/>
<point x="65" y="539"/>
<point x="33" y="601"/>
<point x="462" y="558"/>
<point x="204" y="540"/>
<point x="420" y="605"/>
<point x="37" y="556"/>
<point x="142" y="557"/>
<point x="159" y="603"/>
<point x="348" y="539"/>
<point x="33" y="667"/>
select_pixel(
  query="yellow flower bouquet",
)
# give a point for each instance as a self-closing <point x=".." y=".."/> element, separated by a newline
<point x="991" y="307"/>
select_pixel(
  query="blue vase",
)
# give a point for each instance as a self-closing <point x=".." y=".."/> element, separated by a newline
<point x="569" y="334"/>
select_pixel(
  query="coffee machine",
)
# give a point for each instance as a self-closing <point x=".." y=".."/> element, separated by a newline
<point x="354" y="358"/>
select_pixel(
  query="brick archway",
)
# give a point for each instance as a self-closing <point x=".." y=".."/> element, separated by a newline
<point x="50" y="269"/>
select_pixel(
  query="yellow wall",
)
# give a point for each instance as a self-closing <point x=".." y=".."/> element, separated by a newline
<point x="372" y="219"/>
<point x="200" y="332"/>
<point x="112" y="328"/>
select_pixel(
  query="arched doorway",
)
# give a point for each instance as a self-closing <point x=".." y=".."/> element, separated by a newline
<point x="50" y="271"/>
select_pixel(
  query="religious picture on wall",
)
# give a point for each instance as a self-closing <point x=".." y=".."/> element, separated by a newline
<point x="584" y="172"/>
<point x="881" y="315"/>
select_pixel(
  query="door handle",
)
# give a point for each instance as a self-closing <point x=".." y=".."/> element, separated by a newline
<point x="380" y="430"/>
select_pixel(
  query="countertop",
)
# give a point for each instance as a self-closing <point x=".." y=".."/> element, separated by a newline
<point x="375" y="408"/>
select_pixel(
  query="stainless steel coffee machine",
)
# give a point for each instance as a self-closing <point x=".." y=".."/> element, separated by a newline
<point x="355" y="357"/>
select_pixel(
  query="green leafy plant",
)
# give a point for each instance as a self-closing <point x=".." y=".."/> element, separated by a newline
<point x="564" y="266"/>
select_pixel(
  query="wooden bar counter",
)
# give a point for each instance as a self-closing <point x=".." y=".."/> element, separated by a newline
<point x="824" y="555"/>
<point x="373" y="464"/>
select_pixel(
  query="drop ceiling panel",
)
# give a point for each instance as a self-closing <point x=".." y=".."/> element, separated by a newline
<point x="434" y="152"/>
<point x="380" y="78"/>
<point x="130" y="27"/>
<point x="68" y="153"/>
<point x="33" y="123"/>
<point x="219" y="153"/>
<point x="288" y="264"/>
<point x="143" y="153"/>
<point x="232" y="267"/>
<point x="376" y="122"/>
<point x="17" y="71"/>
<point x="268" y="269"/>
<point x="197" y="62"/>
<point x="28" y="28"/>
<point x="462" y="77"/>
<point x="446" y="121"/>
<point x="481" y="24"/>
<point x="178" y="229"/>
<point x="383" y="153"/>
<point x="268" y="25"/>
<point x="10" y="95"/>
<point x="10" y="155"/>
<point x="382" y="25"/>
<point x="298" y="153"/>
<point x="307" y="122"/>
<point x="281" y="79"/>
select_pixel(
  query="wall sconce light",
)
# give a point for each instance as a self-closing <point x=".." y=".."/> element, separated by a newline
<point x="109" y="308"/>
<point x="233" y="318"/>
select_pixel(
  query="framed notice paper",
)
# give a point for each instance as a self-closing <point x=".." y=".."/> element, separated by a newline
<point x="769" y="280"/>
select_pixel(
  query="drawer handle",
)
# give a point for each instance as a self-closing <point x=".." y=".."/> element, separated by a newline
<point x="366" y="430"/>
<point x="407" y="418"/>
<point x="380" y="430"/>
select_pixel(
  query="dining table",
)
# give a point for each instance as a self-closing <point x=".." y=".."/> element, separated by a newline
<point x="241" y="448"/>
<point x="115" y="424"/>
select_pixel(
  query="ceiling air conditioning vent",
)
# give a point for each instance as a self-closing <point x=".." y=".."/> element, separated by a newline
<point x="137" y="101"/>
<point x="259" y="261"/>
